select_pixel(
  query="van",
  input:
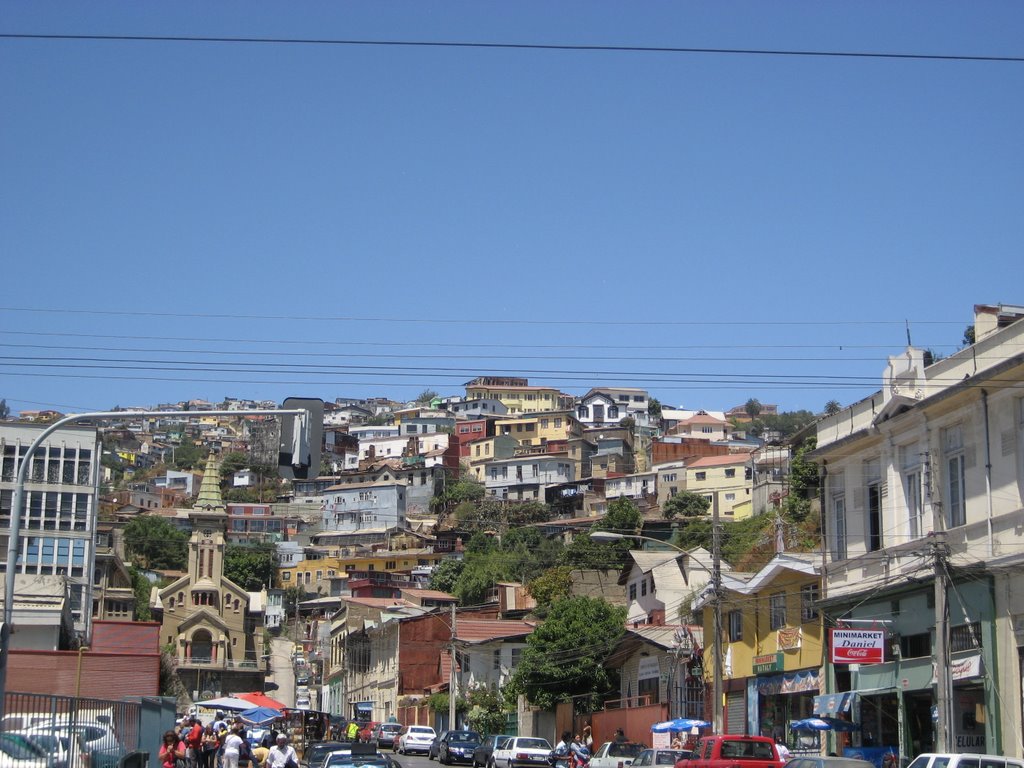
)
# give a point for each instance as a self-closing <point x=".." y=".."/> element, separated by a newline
<point x="949" y="760"/>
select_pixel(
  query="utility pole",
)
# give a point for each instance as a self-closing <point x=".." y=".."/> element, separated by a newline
<point x="943" y="687"/>
<point x="452" y="679"/>
<point x="716" y="585"/>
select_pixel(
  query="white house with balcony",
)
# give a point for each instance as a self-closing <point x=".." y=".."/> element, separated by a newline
<point x="353" y="507"/>
<point x="638" y="485"/>
<point x="488" y="651"/>
<point x="524" y="478"/>
<point x="661" y="585"/>
<point x="924" y="480"/>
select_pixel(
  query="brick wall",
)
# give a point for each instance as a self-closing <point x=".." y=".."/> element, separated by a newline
<point x="139" y="637"/>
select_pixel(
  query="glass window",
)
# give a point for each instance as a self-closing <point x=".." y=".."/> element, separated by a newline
<point x="838" y="538"/>
<point x="777" y="608"/>
<point x="735" y="626"/>
<point x="809" y="594"/>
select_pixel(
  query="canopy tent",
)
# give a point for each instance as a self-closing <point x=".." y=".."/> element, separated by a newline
<point x="260" y="715"/>
<point x="823" y="724"/>
<point x="232" y="703"/>
<point x="257" y="699"/>
<point x="678" y="725"/>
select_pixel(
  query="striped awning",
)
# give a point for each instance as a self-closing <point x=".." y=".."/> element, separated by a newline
<point x="833" y="703"/>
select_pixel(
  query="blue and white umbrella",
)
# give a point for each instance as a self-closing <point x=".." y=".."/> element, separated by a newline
<point x="679" y="724"/>
<point x="259" y="715"/>
<point x="822" y="724"/>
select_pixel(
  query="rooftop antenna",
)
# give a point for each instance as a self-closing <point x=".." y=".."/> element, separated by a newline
<point x="909" y="344"/>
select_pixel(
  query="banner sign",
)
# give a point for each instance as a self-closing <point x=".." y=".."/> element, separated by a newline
<point x="767" y="662"/>
<point x="858" y="646"/>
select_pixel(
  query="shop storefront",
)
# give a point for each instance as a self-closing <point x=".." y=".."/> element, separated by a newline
<point x="780" y="697"/>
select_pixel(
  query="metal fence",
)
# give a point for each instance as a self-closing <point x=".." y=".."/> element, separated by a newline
<point x="70" y="732"/>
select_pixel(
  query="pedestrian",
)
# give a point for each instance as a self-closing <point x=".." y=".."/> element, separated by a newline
<point x="259" y="756"/>
<point x="209" y="746"/>
<point x="172" y="749"/>
<point x="620" y="736"/>
<point x="677" y="743"/>
<point x="193" y="741"/>
<point x="588" y="738"/>
<point x="232" y="748"/>
<point x="352" y="732"/>
<point x="282" y="754"/>
<point x="784" y="753"/>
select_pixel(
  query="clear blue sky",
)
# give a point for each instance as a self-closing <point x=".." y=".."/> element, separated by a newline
<point x="254" y="220"/>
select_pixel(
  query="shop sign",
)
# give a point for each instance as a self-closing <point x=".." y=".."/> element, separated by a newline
<point x="965" y="668"/>
<point x="767" y="662"/>
<point x="858" y="646"/>
<point x="648" y="668"/>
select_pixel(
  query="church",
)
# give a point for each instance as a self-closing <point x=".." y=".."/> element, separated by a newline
<point x="212" y="627"/>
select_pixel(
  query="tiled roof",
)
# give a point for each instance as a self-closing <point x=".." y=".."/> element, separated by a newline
<point x="429" y="594"/>
<point x="483" y="630"/>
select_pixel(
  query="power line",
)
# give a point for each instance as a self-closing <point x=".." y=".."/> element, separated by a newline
<point x="516" y="46"/>
<point x="470" y="322"/>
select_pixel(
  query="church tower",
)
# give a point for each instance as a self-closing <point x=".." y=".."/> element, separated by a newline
<point x="209" y="526"/>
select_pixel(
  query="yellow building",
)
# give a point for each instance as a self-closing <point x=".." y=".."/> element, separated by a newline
<point x="773" y="647"/>
<point x="723" y="481"/>
<point x="517" y="395"/>
<point x="314" y="573"/>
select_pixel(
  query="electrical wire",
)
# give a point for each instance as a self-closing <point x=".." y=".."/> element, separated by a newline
<point x="774" y="52"/>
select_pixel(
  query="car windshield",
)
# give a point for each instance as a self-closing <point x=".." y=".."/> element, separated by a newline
<point x="358" y="762"/>
<point x="669" y="757"/>
<point x="464" y="736"/>
<point x="20" y="747"/>
<point x="625" y="750"/>
<point x="424" y="731"/>
<point x="532" y="744"/>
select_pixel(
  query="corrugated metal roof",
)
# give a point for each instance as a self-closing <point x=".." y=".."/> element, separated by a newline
<point x="484" y="630"/>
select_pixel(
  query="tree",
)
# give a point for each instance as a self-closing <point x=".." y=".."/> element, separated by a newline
<point x="752" y="407"/>
<point x="622" y="517"/>
<point x="832" y="407"/>
<point x="155" y="543"/>
<point x="486" y="710"/>
<point x="553" y="584"/>
<point x="250" y="567"/>
<point x="188" y="455"/>
<point x="142" y="587"/>
<point x="628" y="423"/>
<point x="685" y="504"/>
<point x="4" y="410"/>
<point x="424" y="397"/>
<point x="230" y="463"/>
<point x="564" y="657"/>
<point x="968" y="338"/>
<point x="445" y="574"/>
<point x="654" y="408"/>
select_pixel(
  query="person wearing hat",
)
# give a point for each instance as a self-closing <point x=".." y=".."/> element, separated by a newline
<point x="282" y="754"/>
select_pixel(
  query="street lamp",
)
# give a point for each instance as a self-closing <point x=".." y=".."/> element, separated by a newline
<point x="716" y="605"/>
<point x="78" y="674"/>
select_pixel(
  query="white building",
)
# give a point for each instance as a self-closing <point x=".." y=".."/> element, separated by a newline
<point x="523" y="478"/>
<point x="355" y="506"/>
<point x="924" y="479"/>
<point x="58" y="527"/>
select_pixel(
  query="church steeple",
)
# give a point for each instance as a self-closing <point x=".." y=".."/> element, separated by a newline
<point x="209" y="499"/>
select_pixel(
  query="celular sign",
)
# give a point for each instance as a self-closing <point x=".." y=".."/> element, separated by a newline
<point x="858" y="646"/>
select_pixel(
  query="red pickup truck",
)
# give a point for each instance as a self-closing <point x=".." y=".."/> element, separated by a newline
<point x="734" y="752"/>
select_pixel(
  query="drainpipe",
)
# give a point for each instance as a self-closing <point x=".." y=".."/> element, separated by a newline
<point x="988" y="472"/>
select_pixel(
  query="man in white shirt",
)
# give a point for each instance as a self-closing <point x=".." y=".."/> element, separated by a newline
<point x="281" y="753"/>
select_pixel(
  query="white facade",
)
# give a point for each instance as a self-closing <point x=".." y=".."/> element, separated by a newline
<point x="61" y="494"/>
<point x="490" y="663"/>
<point x="664" y="581"/>
<point x="635" y="486"/>
<point x="349" y="508"/>
<point x="395" y="447"/>
<point x="525" y="477"/>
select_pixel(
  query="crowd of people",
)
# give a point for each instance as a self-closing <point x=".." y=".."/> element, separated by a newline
<point x="223" y="744"/>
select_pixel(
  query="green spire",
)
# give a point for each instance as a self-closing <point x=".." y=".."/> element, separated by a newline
<point x="209" y="498"/>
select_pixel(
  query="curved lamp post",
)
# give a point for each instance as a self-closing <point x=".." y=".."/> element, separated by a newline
<point x="716" y="605"/>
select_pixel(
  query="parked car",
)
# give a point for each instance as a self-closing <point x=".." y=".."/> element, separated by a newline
<point x="521" y="752"/>
<point x="726" y="751"/>
<point x="302" y="702"/>
<point x="386" y="735"/>
<point x="98" y="740"/>
<point x="415" y="738"/>
<point x="616" y="754"/>
<point x="482" y="753"/>
<point x="937" y="760"/>
<point x="17" y="751"/>
<point x="316" y="754"/>
<point x="817" y="761"/>
<point x="432" y="749"/>
<point x="376" y="760"/>
<point x="657" y="756"/>
<point x="456" y="746"/>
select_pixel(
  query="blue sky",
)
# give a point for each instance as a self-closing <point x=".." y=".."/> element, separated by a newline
<point x="187" y="220"/>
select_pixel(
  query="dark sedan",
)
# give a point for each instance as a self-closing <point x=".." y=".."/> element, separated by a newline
<point x="482" y="753"/>
<point x="455" y="746"/>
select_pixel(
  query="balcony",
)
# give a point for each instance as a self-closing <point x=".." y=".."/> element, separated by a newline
<point x="206" y="662"/>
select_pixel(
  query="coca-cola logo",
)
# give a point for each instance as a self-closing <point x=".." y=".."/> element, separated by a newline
<point x="856" y="653"/>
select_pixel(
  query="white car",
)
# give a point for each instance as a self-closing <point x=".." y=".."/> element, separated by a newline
<point x="18" y="751"/>
<point x="302" y="702"/>
<point x="520" y="752"/>
<point x="415" y="738"/>
<point x="615" y="754"/>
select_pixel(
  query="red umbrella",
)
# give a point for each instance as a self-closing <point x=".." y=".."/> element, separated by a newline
<point x="260" y="700"/>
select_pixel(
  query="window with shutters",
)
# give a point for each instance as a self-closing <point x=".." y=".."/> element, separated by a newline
<point x="953" y="455"/>
<point x="777" y="610"/>
<point x="837" y="517"/>
<point x="873" y="490"/>
<point x="735" y="626"/>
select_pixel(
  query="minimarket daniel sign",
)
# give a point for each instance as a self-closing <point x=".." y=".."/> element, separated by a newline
<point x="858" y="646"/>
